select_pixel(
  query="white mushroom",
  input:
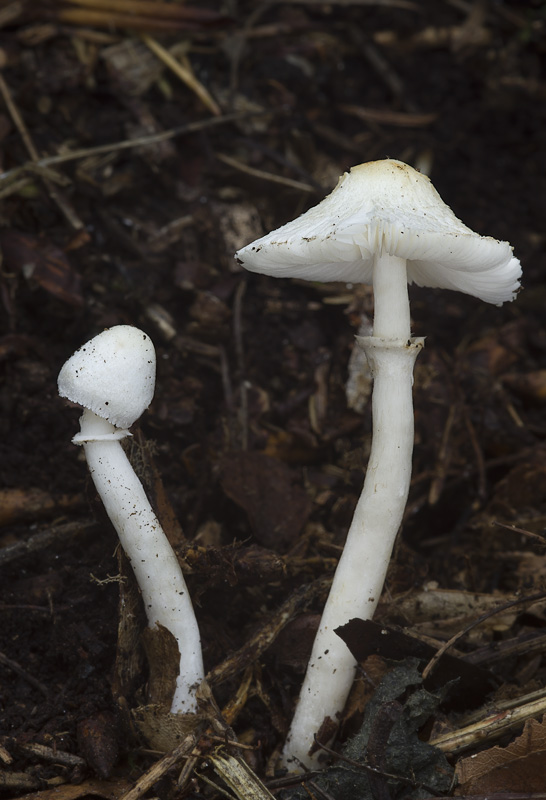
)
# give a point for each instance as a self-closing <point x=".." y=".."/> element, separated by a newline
<point x="383" y="224"/>
<point x="113" y="378"/>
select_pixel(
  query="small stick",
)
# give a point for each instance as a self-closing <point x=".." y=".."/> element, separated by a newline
<point x="44" y="539"/>
<point x="239" y="777"/>
<point x="14" y="187"/>
<point x="108" y="19"/>
<point x="442" y="464"/>
<point x="536" y="536"/>
<point x="399" y="119"/>
<point x="18" y="669"/>
<point x="265" y="636"/>
<point x="46" y="753"/>
<point x="478" y="452"/>
<point x="160" y="768"/>
<point x="265" y="176"/>
<point x="168" y="11"/>
<point x="127" y="144"/>
<point x="492" y="727"/>
<point x="64" y="207"/>
<point x="17" y="119"/>
<point x="437" y="656"/>
<point x="184" y="72"/>
<point x="522" y="645"/>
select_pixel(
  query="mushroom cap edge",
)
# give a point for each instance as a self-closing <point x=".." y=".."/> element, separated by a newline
<point x="390" y="207"/>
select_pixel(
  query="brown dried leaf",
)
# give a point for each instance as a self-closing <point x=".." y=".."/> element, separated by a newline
<point x="42" y="262"/>
<point x="519" y="766"/>
<point x="264" y="487"/>
<point x="162" y="730"/>
<point x="164" y="663"/>
<point x="98" y="742"/>
<point x="292" y="648"/>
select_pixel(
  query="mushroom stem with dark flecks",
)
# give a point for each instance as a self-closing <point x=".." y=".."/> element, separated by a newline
<point x="383" y="224"/>
<point x="113" y="378"/>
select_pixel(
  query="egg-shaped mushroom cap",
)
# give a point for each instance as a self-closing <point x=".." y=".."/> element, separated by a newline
<point x="112" y="375"/>
<point x="387" y="207"/>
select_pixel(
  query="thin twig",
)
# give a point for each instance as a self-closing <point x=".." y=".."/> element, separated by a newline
<point x="113" y="20"/>
<point x="400" y="119"/>
<point x="19" y="670"/>
<point x="50" y="754"/>
<point x="265" y="176"/>
<point x="478" y="453"/>
<point x="443" y="461"/>
<point x="146" y="781"/>
<point x="153" y="9"/>
<point x="536" y="536"/>
<point x="492" y="727"/>
<point x="266" y="635"/>
<point x="504" y="607"/>
<point x="183" y="72"/>
<point x="17" y="119"/>
<point x="64" y="207"/>
<point x="14" y="187"/>
<point x="44" y="539"/>
<point x="128" y="144"/>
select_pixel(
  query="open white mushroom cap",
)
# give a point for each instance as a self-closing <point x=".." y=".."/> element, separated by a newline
<point x="387" y="207"/>
<point x="113" y="375"/>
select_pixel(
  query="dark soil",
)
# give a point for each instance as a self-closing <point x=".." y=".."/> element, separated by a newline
<point x="257" y="455"/>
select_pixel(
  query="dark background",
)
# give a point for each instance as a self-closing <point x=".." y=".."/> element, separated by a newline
<point x="250" y="430"/>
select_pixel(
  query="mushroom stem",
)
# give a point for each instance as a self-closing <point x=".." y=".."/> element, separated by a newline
<point x="391" y="300"/>
<point x="164" y="591"/>
<point x="362" y="568"/>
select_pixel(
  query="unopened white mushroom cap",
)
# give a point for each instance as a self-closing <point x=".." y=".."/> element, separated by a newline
<point x="387" y="206"/>
<point x="113" y="375"/>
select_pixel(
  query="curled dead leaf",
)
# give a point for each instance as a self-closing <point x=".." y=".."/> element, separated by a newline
<point x="42" y="263"/>
<point x="265" y="488"/>
<point x="520" y="766"/>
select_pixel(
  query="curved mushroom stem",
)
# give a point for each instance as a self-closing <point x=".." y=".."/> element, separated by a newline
<point x="362" y="568"/>
<point x="164" y="592"/>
